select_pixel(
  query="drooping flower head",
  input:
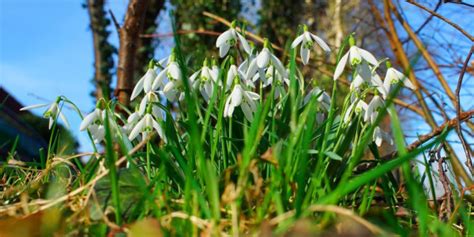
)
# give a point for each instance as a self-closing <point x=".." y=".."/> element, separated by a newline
<point x="204" y="79"/>
<point x="392" y="77"/>
<point x="354" y="57"/>
<point x="146" y="125"/>
<point x="94" y="123"/>
<point x="146" y="82"/>
<point x="240" y="97"/>
<point x="229" y="39"/>
<point x="173" y="88"/>
<point x="52" y="113"/>
<point x="307" y="39"/>
<point x="264" y="60"/>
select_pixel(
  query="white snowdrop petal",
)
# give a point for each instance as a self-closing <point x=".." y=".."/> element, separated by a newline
<point x="340" y="66"/>
<point x="367" y="56"/>
<point x="65" y="121"/>
<point x="247" y="112"/>
<point x="137" y="129"/>
<point x="253" y="95"/>
<point x="148" y="78"/>
<point x="263" y="58"/>
<point x="88" y="120"/>
<point x="304" y="52"/>
<point x="222" y="39"/>
<point x="407" y="83"/>
<point x="236" y="96"/>
<point x="297" y="41"/>
<point x="137" y="89"/>
<point x="51" y="121"/>
<point x="278" y="65"/>
<point x="174" y="71"/>
<point x="223" y="49"/>
<point x="158" y="82"/>
<point x="245" y="45"/>
<point x="142" y="106"/>
<point x="321" y="43"/>
<point x="169" y="91"/>
<point x="33" y="107"/>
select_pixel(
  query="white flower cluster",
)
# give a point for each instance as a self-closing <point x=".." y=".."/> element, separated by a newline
<point x="365" y="65"/>
<point x="258" y="69"/>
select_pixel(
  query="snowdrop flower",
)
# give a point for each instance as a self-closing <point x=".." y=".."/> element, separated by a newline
<point x="354" y="56"/>
<point x="372" y="109"/>
<point x="307" y="40"/>
<point x="52" y="113"/>
<point x="362" y="74"/>
<point x="233" y="73"/>
<point x="229" y="38"/>
<point x="244" y="66"/>
<point x="322" y="97"/>
<point x="203" y="80"/>
<point x="215" y="68"/>
<point x="149" y="98"/>
<point x="95" y="117"/>
<point x="132" y="120"/>
<point x="97" y="132"/>
<point x="244" y="99"/>
<point x="263" y="60"/>
<point x="358" y="107"/>
<point x="278" y="81"/>
<point x="171" y="72"/>
<point x="393" y="77"/>
<point x="380" y="135"/>
<point x="146" y="82"/>
<point x="146" y="125"/>
<point x="173" y="88"/>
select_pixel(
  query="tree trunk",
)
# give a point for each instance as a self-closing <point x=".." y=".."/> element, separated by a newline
<point x="103" y="50"/>
<point x="128" y="36"/>
<point x="146" y="45"/>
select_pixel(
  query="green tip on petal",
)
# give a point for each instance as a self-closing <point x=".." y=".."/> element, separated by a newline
<point x="314" y="82"/>
<point x="173" y="55"/>
<point x="236" y="80"/>
<point x="206" y="63"/>
<point x="151" y="64"/>
<point x="305" y="28"/>
<point x="214" y="61"/>
<point x="376" y="92"/>
<point x="388" y="64"/>
<point x="233" y="24"/>
<point x="149" y="108"/>
<point x="266" y="43"/>
<point x="100" y="104"/>
<point x="352" y="41"/>
<point x="251" y="44"/>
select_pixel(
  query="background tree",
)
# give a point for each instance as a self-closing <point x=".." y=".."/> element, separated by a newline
<point x="103" y="50"/>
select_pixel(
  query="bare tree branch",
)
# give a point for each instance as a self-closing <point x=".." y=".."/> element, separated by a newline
<point x="433" y="13"/>
<point x="466" y="148"/>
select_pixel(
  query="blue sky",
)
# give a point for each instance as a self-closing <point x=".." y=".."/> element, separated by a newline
<point x="46" y="51"/>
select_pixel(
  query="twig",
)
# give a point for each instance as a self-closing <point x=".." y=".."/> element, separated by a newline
<point x="445" y="182"/>
<point x="251" y="35"/>
<point x="331" y="208"/>
<point x="114" y="20"/>
<point x="424" y="138"/>
<point x="443" y="19"/>
<point x="91" y="183"/>
<point x="181" y="32"/>
<point x="467" y="149"/>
